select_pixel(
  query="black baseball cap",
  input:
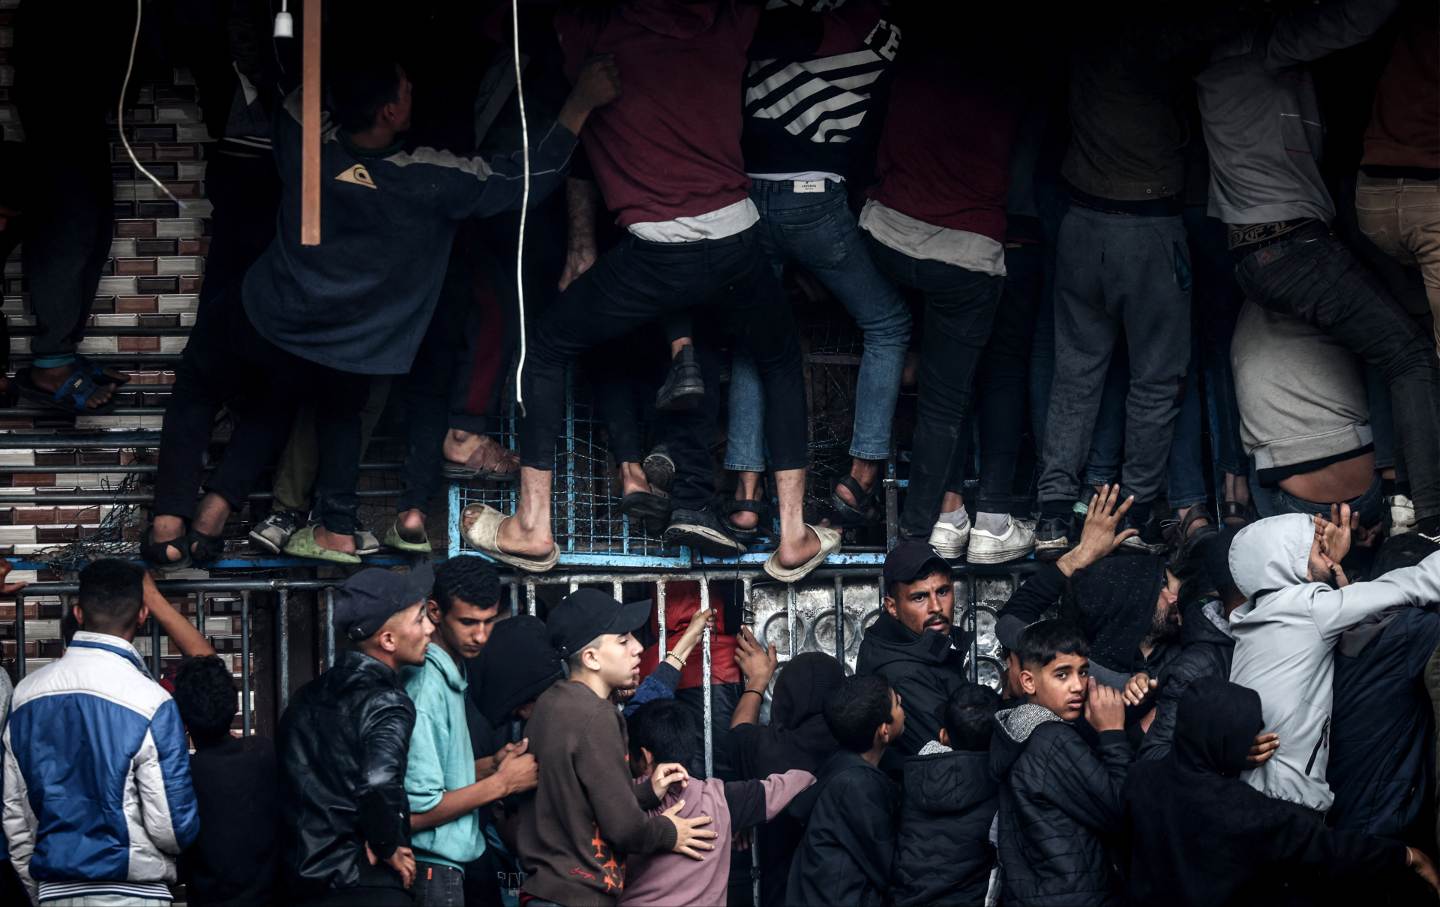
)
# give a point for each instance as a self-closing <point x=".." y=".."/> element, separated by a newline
<point x="911" y="560"/>
<point x="585" y="614"/>
<point x="366" y="600"/>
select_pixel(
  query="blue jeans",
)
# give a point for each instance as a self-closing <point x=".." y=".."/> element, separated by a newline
<point x="818" y="231"/>
<point x="1272" y="500"/>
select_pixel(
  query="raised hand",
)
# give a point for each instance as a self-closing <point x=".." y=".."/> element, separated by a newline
<point x="756" y="661"/>
<point x="1104" y="707"/>
<point x="1098" y="538"/>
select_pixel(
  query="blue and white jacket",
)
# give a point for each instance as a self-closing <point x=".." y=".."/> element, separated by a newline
<point x="97" y="795"/>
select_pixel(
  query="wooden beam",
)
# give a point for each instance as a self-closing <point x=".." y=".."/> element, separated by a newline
<point x="310" y="127"/>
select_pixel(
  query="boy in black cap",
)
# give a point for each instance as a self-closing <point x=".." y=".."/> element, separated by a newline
<point x="343" y="745"/>
<point x="587" y="813"/>
<point x="914" y="644"/>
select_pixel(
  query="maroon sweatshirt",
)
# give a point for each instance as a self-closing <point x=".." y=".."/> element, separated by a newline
<point x="670" y="145"/>
<point x="945" y="148"/>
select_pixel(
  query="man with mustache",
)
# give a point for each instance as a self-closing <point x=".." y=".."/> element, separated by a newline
<point x="913" y="644"/>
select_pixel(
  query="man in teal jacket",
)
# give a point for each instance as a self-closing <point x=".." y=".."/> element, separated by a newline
<point x="441" y="774"/>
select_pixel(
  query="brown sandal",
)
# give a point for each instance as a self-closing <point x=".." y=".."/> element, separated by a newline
<point x="489" y="463"/>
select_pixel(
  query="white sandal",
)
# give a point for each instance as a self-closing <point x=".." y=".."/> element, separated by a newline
<point x="829" y="544"/>
<point x="482" y="535"/>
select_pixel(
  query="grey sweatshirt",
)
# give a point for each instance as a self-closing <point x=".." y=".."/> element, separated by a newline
<point x="1301" y="392"/>
<point x="1285" y="636"/>
<point x="1260" y="115"/>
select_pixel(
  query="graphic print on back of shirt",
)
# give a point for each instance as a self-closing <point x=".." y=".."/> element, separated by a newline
<point x="825" y="99"/>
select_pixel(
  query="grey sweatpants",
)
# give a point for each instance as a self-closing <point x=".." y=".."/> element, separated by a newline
<point x="1117" y="272"/>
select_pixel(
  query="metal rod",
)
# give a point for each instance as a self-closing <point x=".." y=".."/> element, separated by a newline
<point x="245" y="661"/>
<point x="705" y="684"/>
<point x="282" y="615"/>
<point x="790" y="615"/>
<point x="330" y="627"/>
<point x="660" y="613"/>
<point x="200" y="613"/>
<point x="130" y="468"/>
<point x="20" y="631"/>
<point x="154" y="647"/>
<point x="100" y="499"/>
<point x="839" y="619"/>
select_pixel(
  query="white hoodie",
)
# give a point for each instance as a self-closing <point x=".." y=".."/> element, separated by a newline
<point x="1285" y="635"/>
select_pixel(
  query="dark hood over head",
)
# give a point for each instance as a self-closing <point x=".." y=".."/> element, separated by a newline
<point x="801" y="688"/>
<point x="517" y="665"/>
<point x="1215" y="725"/>
<point x="1114" y="603"/>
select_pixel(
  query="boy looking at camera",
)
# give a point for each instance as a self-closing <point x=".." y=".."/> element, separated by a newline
<point x="1058" y="797"/>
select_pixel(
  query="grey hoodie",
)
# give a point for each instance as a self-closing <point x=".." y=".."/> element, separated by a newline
<point x="1285" y="635"/>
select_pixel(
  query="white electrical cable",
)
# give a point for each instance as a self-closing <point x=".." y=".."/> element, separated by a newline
<point x="120" y="108"/>
<point x="524" y="206"/>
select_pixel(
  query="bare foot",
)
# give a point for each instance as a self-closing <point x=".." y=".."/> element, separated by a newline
<point x="512" y="539"/>
<point x="747" y="488"/>
<point x="334" y="541"/>
<point x="411" y="522"/>
<point x="50" y="379"/>
<point x="632" y="479"/>
<point x="795" y="551"/>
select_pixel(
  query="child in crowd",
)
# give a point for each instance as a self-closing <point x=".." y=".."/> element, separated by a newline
<point x="944" y="855"/>
<point x="1057" y="797"/>
<point x="848" y="851"/>
<point x="587" y="812"/>
<point x="236" y="856"/>
<point x="667" y="731"/>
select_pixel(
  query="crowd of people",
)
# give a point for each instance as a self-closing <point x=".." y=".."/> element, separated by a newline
<point x="1080" y="244"/>
<point x="1245" y="721"/>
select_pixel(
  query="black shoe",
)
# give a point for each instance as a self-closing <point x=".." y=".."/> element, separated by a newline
<point x="1151" y="539"/>
<point x="701" y="531"/>
<point x="684" y="386"/>
<point x="659" y="468"/>
<point x="1052" y="538"/>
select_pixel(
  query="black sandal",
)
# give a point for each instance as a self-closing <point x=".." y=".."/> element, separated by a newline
<point x="861" y="513"/>
<point x="156" y="554"/>
<point x="1177" y="532"/>
<point x="761" y="509"/>
<point x="205" y="549"/>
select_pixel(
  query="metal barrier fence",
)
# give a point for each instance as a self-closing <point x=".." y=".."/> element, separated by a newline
<point x="827" y="612"/>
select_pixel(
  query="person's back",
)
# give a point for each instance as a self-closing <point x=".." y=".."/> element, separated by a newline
<point x="1199" y="836"/>
<point x="236" y="858"/>
<point x="943" y="853"/>
<point x="1058" y="799"/>
<point x="1285" y="634"/>
<point x="847" y="854"/>
<point x="1382" y="742"/>
<point x="667" y="731"/>
<point x="98" y="798"/>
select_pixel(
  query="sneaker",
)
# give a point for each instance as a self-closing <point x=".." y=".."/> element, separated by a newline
<point x="1017" y="541"/>
<point x="1401" y="514"/>
<point x="271" y="533"/>
<point x="1052" y="538"/>
<point x="659" y="468"/>
<point x="684" y="386"/>
<point x="701" y="531"/>
<point x="950" y="540"/>
<point x="366" y="543"/>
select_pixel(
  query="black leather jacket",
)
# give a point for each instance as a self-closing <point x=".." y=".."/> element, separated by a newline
<point x="344" y="741"/>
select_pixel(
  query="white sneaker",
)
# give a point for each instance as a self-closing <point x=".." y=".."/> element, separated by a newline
<point x="1017" y="541"/>
<point x="949" y="540"/>
<point x="1402" y="514"/>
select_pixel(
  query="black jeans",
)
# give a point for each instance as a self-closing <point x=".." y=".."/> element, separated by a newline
<point x="1314" y="277"/>
<point x="959" y="310"/>
<point x="639" y="281"/>
<point x="1002" y="384"/>
<point x="227" y="363"/>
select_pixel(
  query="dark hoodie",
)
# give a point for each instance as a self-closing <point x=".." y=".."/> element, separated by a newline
<point x="926" y="669"/>
<point x="848" y="851"/>
<point x="943" y="855"/>
<point x="1206" y="647"/>
<point x="517" y="665"/>
<point x="796" y="738"/>
<point x="1200" y="836"/>
<point x="1058" y="800"/>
